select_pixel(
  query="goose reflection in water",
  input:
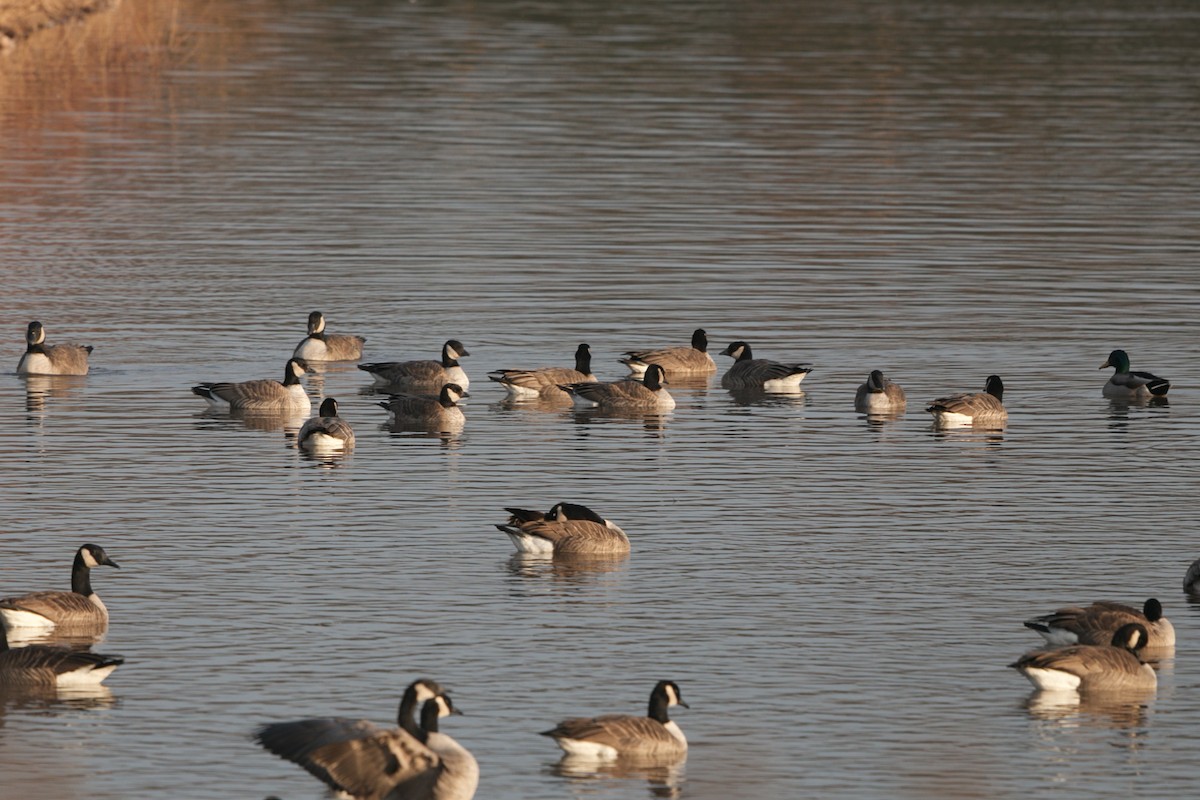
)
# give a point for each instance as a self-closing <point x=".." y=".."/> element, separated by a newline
<point x="1106" y="710"/>
<point x="566" y="569"/>
<point x="39" y="389"/>
<point x="663" y="778"/>
<point x="55" y="699"/>
<point x="654" y="423"/>
<point x="266" y="422"/>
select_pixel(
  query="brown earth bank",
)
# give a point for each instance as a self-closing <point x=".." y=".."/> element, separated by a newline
<point x="20" y="19"/>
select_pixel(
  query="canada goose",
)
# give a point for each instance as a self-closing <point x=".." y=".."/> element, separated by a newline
<point x="426" y="409"/>
<point x="983" y="408"/>
<point x="879" y="395"/>
<point x="322" y="346"/>
<point x="615" y="735"/>
<point x="1085" y="667"/>
<point x="40" y="358"/>
<point x="749" y="372"/>
<point x="1191" y="579"/>
<point x="359" y="760"/>
<point x="626" y="394"/>
<point x="544" y="382"/>
<point x="287" y="396"/>
<point x="1097" y="623"/>
<point x="566" y="529"/>
<point x="79" y="609"/>
<point x="1126" y="385"/>
<point x="676" y="361"/>
<point x="42" y="666"/>
<point x="326" y="431"/>
<point x="418" y="375"/>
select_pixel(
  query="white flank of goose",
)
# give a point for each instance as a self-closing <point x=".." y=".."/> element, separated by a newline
<point x="879" y="396"/>
<point x="982" y="408"/>
<point x="286" y="396"/>
<point x="1097" y="623"/>
<point x="326" y="431"/>
<point x="423" y="375"/>
<point x="616" y="735"/>
<point x="1089" y="667"/>
<point x="628" y="394"/>
<point x="42" y="666"/>
<point x="749" y="372"/>
<point x="544" y="382"/>
<point x="79" y="610"/>
<point x="675" y="361"/>
<point x="40" y="358"/>
<point x="1126" y="385"/>
<point x="322" y="346"/>
<point x="567" y="529"/>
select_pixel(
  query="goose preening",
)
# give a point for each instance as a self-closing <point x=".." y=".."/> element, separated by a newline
<point x="42" y="666"/>
<point x="40" y="358"/>
<point x="566" y="529"/>
<point x="1126" y="385"/>
<point x="422" y="375"/>
<point x="1090" y="667"/>
<point x="326" y="431"/>
<point x="675" y="361"/>
<point x="544" y="382"/>
<point x="762" y="374"/>
<point x="622" y="735"/>
<point x="286" y="396"/>
<point x="79" y="610"/>
<point x="362" y="761"/>
<point x="981" y="408"/>
<point x="438" y="411"/>
<point x="628" y="394"/>
<point x="1097" y="623"/>
<point x="322" y="346"/>
<point x="879" y="396"/>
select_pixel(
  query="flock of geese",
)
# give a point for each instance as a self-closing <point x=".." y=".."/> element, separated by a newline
<point x="1093" y="648"/>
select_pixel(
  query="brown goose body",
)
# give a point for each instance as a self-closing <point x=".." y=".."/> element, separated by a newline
<point x="879" y="396"/>
<point x="422" y="376"/>
<point x="569" y="529"/>
<point x="322" y="346"/>
<point x="761" y="374"/>
<point x="543" y="383"/>
<point x="263" y="396"/>
<point x="438" y="411"/>
<point x="629" y="394"/>
<point x="326" y="431"/>
<point x="1089" y="667"/>
<point x="978" y="409"/>
<point x="676" y="362"/>
<point x="614" y="736"/>
<point x="1097" y="623"/>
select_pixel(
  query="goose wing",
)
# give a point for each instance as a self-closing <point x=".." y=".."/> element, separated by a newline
<point x="344" y="347"/>
<point x="55" y="606"/>
<point x="426" y="371"/>
<point x="619" y="731"/>
<point x="757" y="371"/>
<point x="578" y="536"/>
<point x="672" y="359"/>
<point x="1112" y="667"/>
<point x="249" y="393"/>
<point x="335" y="427"/>
<point x="969" y="404"/>
<point x="538" y="380"/>
<point x="69" y="358"/>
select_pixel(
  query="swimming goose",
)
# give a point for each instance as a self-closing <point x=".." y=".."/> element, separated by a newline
<point x="1126" y="385"/>
<point x="1191" y="579"/>
<point x="616" y="735"/>
<point x="879" y="395"/>
<point x="627" y="394"/>
<point x="1085" y="667"/>
<point x="676" y="361"/>
<point x="287" y="396"/>
<point x="42" y="666"/>
<point x="427" y="409"/>
<point x="322" y="346"/>
<point x="544" y="382"/>
<point x="428" y="375"/>
<point x="326" y="431"/>
<point x="566" y="529"/>
<point x="983" y="408"/>
<point x="78" y="610"/>
<point x="359" y="760"/>
<point x="1097" y="623"/>
<point x="40" y="358"/>
<point x="749" y="372"/>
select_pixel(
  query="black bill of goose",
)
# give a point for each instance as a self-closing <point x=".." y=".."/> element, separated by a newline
<point x="40" y="358"/>
<point x="981" y="408"/>
<point x="423" y="375"/>
<point x="322" y="346"/>
<point x="79" y="610"/>
<point x="566" y="529"/>
<point x="620" y="735"/>
<point x="266" y="396"/>
<point x="326" y="431"/>
<point x="43" y="666"/>
<point x="677" y="362"/>
<point x="1126" y="385"/>
<point x="879" y="396"/>
<point x="359" y="760"/>
<point x="628" y="394"/>
<point x="1097" y="623"/>
<point x="438" y="411"/>
<point x="762" y="374"/>
<point x="543" y="382"/>
<point x="1089" y="667"/>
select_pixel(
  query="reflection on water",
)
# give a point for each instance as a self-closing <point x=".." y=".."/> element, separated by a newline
<point x="1116" y="710"/>
<point x="564" y="568"/>
<point x="263" y="421"/>
<point x="662" y="779"/>
<point x="49" y="700"/>
<point x="39" y="389"/>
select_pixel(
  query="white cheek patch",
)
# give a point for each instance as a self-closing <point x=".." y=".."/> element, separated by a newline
<point x="89" y="559"/>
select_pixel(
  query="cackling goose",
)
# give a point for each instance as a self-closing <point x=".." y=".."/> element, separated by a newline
<point x="566" y="529"/>
<point x="426" y="409"/>
<point x="879" y="396"/>
<point x="763" y="374"/>
<point x="42" y="666"/>
<point x="1097" y="623"/>
<point x="326" y="431"/>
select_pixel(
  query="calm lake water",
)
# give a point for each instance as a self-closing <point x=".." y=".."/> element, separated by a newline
<point x="940" y="190"/>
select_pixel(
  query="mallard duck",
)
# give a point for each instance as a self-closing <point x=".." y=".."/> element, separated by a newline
<point x="1126" y="385"/>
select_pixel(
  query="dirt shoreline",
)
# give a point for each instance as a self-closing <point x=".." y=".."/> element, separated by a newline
<point x="20" y="19"/>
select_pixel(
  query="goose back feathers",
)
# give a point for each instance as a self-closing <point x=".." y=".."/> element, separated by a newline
<point x="1097" y="623"/>
<point x="40" y="358"/>
<point x="675" y="361"/>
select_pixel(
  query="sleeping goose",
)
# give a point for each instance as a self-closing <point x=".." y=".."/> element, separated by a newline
<point x="1090" y="667"/>
<point x="544" y="382"/>
<point x="40" y="358"/>
<point x="322" y="346"/>
<point x="1126" y="385"/>
<point x="1097" y="623"/>
<point x="265" y="395"/>
<point x="78" y="610"/>
<point x="42" y="666"/>
<point x="617" y="735"/>
<point x="359" y="760"/>
<point x="983" y="408"/>
<point x="675" y="361"/>
<point x="427" y="410"/>
<point x="879" y="396"/>
<point x="422" y="375"/>
<point x="566" y="529"/>
<point x="326" y="431"/>
<point x="749" y="372"/>
<point x="628" y="394"/>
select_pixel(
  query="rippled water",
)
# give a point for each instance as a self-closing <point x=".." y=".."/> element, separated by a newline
<point x="940" y="190"/>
